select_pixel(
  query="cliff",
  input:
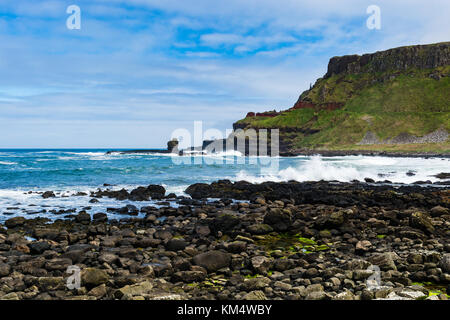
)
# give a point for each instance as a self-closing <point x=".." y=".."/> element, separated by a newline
<point x="393" y="100"/>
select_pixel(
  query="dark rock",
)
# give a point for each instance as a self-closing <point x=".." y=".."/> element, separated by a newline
<point x="15" y="222"/>
<point x="176" y="244"/>
<point x="236" y="246"/>
<point x="48" y="194"/>
<point x="38" y="247"/>
<point x="60" y="264"/>
<point x="212" y="260"/>
<point x="100" y="217"/>
<point x="443" y="175"/>
<point x="445" y="263"/>
<point x="421" y="221"/>
<point x="83" y="217"/>
<point x="225" y="223"/>
<point x="5" y="269"/>
<point x="92" y="277"/>
<point x="189" y="276"/>
<point x="259" y="229"/>
<point x="278" y="219"/>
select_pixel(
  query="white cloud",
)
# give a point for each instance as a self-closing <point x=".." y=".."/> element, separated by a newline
<point x="170" y="62"/>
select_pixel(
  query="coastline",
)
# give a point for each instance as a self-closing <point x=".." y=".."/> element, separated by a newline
<point x="341" y="153"/>
<point x="292" y="240"/>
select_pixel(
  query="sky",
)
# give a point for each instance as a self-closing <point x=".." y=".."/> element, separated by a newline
<point x="137" y="70"/>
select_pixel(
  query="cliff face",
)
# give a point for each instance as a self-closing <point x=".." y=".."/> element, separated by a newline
<point x="393" y="60"/>
<point x="348" y="76"/>
<point x="388" y="95"/>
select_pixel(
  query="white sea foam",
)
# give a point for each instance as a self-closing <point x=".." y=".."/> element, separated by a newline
<point x="346" y="169"/>
<point x="8" y="163"/>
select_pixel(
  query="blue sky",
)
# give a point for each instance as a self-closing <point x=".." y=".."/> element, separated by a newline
<point x="139" y="69"/>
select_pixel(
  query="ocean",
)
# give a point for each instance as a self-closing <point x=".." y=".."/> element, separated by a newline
<point x="24" y="173"/>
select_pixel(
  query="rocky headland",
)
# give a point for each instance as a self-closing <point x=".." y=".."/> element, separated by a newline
<point x="395" y="101"/>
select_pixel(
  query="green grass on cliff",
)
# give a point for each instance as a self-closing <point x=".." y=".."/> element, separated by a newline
<point x="387" y="105"/>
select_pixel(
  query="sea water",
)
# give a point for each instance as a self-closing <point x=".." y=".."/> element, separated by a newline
<point x="67" y="172"/>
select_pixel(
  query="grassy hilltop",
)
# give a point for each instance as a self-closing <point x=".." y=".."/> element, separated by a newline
<point x="396" y="100"/>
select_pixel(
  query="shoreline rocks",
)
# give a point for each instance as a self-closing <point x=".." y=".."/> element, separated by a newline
<point x="312" y="240"/>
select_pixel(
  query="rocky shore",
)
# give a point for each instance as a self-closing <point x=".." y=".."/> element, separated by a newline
<point x="312" y="240"/>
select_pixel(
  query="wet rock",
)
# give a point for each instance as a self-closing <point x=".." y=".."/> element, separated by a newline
<point x="145" y="193"/>
<point x="48" y="194"/>
<point x="443" y="175"/>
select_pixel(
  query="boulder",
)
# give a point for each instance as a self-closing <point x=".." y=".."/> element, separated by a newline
<point x="5" y="269"/>
<point x="259" y="229"/>
<point x="278" y="219"/>
<point x="384" y="260"/>
<point x="257" y="283"/>
<point x="445" y="263"/>
<point x="134" y="290"/>
<point x="422" y="221"/>
<point x="38" y="247"/>
<point x="60" y="264"/>
<point x="261" y="264"/>
<point x="176" y="244"/>
<point x="48" y="194"/>
<point x="99" y="291"/>
<point x="51" y="283"/>
<point x="438" y="211"/>
<point x="93" y="277"/>
<point x="15" y="222"/>
<point x="212" y="260"/>
<point x="189" y="276"/>
<point x="255" y="295"/>
<point x="226" y="222"/>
